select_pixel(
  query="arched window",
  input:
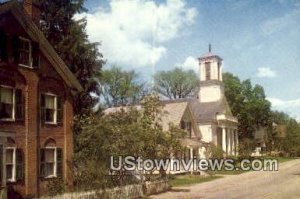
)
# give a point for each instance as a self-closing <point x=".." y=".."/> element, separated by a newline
<point x="207" y="70"/>
<point x="13" y="162"/>
<point x="51" y="159"/>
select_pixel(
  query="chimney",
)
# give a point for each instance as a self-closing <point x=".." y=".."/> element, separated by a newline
<point x="32" y="10"/>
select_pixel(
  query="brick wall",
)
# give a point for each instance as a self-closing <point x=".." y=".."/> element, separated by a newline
<point x="30" y="134"/>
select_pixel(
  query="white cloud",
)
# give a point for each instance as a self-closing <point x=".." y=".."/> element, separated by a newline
<point x="129" y="28"/>
<point x="292" y="107"/>
<point x="274" y="25"/>
<point x="278" y="103"/>
<point x="190" y="63"/>
<point x="266" y="72"/>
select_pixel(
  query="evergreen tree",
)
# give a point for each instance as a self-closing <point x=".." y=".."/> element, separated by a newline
<point x="70" y="40"/>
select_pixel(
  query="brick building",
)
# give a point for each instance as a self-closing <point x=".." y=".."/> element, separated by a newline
<point x="36" y="113"/>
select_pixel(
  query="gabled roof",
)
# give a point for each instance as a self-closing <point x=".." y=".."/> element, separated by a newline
<point x="46" y="48"/>
<point x="207" y="111"/>
<point x="172" y="112"/>
<point x="209" y="55"/>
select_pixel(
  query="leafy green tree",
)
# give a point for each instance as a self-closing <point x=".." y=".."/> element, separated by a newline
<point x="119" y="87"/>
<point x="176" y="83"/>
<point x="128" y="132"/>
<point x="288" y="141"/>
<point x="249" y="104"/>
<point x="68" y="37"/>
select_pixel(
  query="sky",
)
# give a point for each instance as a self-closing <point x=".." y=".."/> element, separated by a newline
<point x="258" y="40"/>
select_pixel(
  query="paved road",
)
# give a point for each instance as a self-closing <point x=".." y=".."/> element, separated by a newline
<point x="282" y="184"/>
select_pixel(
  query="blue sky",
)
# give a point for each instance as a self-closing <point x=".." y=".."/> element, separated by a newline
<point x="257" y="39"/>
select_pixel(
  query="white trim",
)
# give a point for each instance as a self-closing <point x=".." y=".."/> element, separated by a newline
<point x="13" y="178"/>
<point x="54" y="122"/>
<point x="54" y="163"/>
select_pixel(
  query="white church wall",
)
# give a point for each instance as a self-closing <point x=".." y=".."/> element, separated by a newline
<point x="206" y="132"/>
<point x="214" y="134"/>
<point x="210" y="93"/>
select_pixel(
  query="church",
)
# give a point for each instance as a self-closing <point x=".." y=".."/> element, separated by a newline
<point x="206" y="116"/>
<point x="211" y="110"/>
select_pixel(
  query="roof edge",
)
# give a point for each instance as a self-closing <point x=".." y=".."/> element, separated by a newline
<point x="34" y="32"/>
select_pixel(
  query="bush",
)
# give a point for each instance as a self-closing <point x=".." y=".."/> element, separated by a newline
<point x="55" y="186"/>
<point x="214" y="151"/>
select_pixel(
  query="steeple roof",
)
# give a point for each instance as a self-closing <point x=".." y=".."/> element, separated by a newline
<point x="209" y="55"/>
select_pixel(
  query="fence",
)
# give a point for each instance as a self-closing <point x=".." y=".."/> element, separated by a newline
<point x="125" y="192"/>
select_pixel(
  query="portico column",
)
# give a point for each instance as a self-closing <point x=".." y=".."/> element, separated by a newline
<point x="191" y="155"/>
<point x="224" y="139"/>
<point x="229" y="142"/>
<point x="233" y="142"/>
<point x="236" y="142"/>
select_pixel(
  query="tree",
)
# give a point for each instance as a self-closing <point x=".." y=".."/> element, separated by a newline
<point x="249" y="104"/>
<point x="119" y="87"/>
<point x="176" y="83"/>
<point x="128" y="132"/>
<point x="68" y="37"/>
<point x="289" y="140"/>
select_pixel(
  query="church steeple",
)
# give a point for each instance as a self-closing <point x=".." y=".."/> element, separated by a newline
<point x="210" y="66"/>
<point x="211" y="85"/>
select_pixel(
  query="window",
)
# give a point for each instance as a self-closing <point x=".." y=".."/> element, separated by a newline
<point x="10" y="164"/>
<point x="25" y="52"/>
<point x="14" y="164"/>
<point x="7" y="103"/>
<point x="207" y="70"/>
<point x="51" y="109"/>
<point x="50" y="162"/>
<point x="11" y="103"/>
<point x="3" y="44"/>
<point x="187" y="126"/>
<point x="219" y="71"/>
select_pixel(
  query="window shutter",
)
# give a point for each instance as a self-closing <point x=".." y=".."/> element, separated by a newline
<point x="59" y="161"/>
<point x="42" y="109"/>
<point x="42" y="163"/>
<point x="3" y="46"/>
<point x="35" y="55"/>
<point x="19" y="164"/>
<point x="16" y="48"/>
<point x="60" y="111"/>
<point x="19" y="105"/>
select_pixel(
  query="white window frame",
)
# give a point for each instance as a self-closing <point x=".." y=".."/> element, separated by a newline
<point x="14" y="104"/>
<point x="13" y="178"/>
<point x="55" y="162"/>
<point x="55" y="108"/>
<point x="30" y="53"/>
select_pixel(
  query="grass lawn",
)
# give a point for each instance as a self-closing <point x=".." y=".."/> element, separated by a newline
<point x="184" y="180"/>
